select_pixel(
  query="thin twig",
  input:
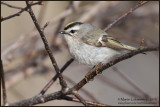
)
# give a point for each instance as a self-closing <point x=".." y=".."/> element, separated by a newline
<point x="55" y="77"/>
<point x="88" y="102"/>
<point x="15" y="75"/>
<point x="139" y="4"/>
<point x="120" y="88"/>
<point x="86" y="92"/>
<point x="62" y="81"/>
<point x="3" y="84"/>
<point x="22" y="40"/>
<point x="145" y="95"/>
<point x="11" y="6"/>
<point x="67" y="63"/>
<point x="19" y="13"/>
<point x="80" y="98"/>
<point x="38" y="99"/>
<point x="131" y="82"/>
<point x="46" y="24"/>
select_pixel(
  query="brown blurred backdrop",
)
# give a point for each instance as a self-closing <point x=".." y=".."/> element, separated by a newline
<point x="27" y="71"/>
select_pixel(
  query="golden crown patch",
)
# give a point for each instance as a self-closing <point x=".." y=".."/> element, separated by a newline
<point x="69" y="25"/>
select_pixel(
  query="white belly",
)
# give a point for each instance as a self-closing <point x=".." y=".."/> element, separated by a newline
<point x="91" y="55"/>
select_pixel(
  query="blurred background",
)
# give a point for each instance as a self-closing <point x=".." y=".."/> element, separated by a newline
<point x="28" y="68"/>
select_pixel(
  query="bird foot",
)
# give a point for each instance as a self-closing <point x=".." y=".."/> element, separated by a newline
<point x="96" y="69"/>
<point x="98" y="66"/>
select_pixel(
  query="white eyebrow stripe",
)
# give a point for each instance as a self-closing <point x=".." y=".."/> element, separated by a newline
<point x="75" y="28"/>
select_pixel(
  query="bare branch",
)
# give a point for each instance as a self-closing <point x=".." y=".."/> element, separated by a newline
<point x="88" y="102"/>
<point x="38" y="99"/>
<point x="21" y="42"/>
<point x="62" y="81"/>
<point x="67" y="63"/>
<point x="3" y="84"/>
<point x="11" y="6"/>
<point x="86" y="92"/>
<point x="21" y="11"/>
<point x="80" y="98"/>
<point x="125" y="14"/>
<point x="55" y="77"/>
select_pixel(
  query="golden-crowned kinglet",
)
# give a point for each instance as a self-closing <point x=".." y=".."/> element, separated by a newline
<point x="90" y="45"/>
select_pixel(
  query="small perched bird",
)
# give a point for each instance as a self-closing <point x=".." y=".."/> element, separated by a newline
<point x="90" y="45"/>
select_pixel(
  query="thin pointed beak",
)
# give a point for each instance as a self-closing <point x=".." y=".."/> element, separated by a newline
<point x="62" y="32"/>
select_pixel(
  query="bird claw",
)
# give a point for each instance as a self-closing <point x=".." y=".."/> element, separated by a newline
<point x="98" y="66"/>
<point x="86" y="76"/>
<point x="96" y="69"/>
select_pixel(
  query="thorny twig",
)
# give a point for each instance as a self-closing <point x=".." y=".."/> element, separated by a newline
<point x="62" y="81"/>
<point x="139" y="4"/>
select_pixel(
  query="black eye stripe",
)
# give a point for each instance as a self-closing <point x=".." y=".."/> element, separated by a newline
<point x="72" y="24"/>
<point x="73" y="31"/>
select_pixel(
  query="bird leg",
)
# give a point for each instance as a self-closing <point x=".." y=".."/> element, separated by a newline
<point x="86" y="76"/>
<point x="98" y="66"/>
<point x="96" y="69"/>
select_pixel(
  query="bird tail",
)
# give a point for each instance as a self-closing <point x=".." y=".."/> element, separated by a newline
<point x="129" y="47"/>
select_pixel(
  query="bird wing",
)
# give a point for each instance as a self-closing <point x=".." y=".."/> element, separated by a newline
<point x="105" y="41"/>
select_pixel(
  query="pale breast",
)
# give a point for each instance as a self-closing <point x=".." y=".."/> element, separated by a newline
<point x="91" y="55"/>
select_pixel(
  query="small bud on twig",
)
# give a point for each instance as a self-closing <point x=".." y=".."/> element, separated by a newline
<point x="45" y="26"/>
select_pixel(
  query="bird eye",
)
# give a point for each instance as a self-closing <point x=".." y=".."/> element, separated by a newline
<point x="73" y="31"/>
